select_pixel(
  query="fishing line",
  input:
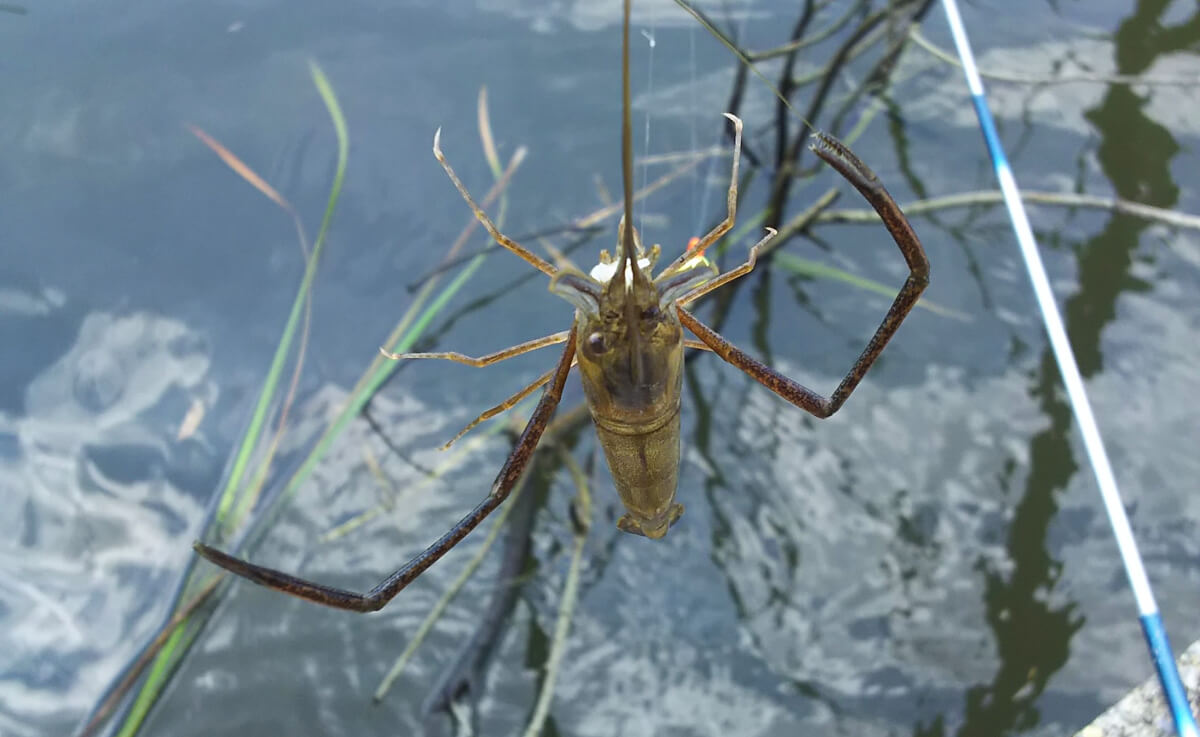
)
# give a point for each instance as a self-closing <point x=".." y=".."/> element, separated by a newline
<point x="693" y="113"/>
<point x="702" y="202"/>
<point x="728" y="43"/>
<point x="649" y="36"/>
<point x="1151" y="619"/>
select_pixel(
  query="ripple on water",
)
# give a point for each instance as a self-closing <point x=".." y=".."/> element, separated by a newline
<point x="99" y="528"/>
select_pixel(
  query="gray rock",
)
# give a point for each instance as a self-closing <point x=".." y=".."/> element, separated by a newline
<point x="1143" y="711"/>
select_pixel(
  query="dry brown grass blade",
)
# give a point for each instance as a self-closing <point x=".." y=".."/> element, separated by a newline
<point x="614" y="209"/>
<point x="485" y="133"/>
<point x="135" y="670"/>
<point x="245" y="172"/>
<point x="191" y="420"/>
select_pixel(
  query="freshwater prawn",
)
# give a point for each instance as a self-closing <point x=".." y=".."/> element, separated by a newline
<point x="628" y="340"/>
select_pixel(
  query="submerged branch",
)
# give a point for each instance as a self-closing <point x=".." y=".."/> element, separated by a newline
<point x="802" y="221"/>
<point x="1071" y="78"/>
<point x="135" y="669"/>
<point x="809" y="40"/>
<point x="995" y="197"/>
<point x="581" y="515"/>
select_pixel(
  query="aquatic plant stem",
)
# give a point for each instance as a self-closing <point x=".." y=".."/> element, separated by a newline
<point x="995" y="197"/>
<point x="1060" y="78"/>
<point x="182" y="627"/>
<point x="442" y="603"/>
<point x="581" y="516"/>
<point x="134" y="671"/>
<point x="233" y="483"/>
<point x="1152" y="626"/>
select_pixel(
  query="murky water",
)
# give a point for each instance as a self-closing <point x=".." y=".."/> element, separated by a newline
<point x="932" y="560"/>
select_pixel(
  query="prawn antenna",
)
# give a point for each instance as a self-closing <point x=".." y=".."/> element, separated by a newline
<point x="628" y="257"/>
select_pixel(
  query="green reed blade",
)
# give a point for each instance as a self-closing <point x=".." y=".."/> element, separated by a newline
<point x="185" y="632"/>
<point x="804" y="267"/>
<point x="241" y="497"/>
<point x="271" y="384"/>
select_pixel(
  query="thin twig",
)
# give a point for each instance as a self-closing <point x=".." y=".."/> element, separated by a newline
<point x="148" y="653"/>
<point x="787" y="84"/>
<point x="440" y="607"/>
<point x="815" y="38"/>
<point x="588" y="223"/>
<point x="456" y="459"/>
<point x="252" y="177"/>
<point x="782" y="185"/>
<point x="802" y="221"/>
<point x="1070" y="78"/>
<point x="581" y="515"/>
<point x="564" y="422"/>
<point x="994" y="197"/>
<point x="877" y="78"/>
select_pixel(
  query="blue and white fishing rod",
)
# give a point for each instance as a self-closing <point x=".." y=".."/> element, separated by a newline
<point x="1152" y="625"/>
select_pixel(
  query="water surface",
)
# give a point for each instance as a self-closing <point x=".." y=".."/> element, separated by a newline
<point x="932" y="560"/>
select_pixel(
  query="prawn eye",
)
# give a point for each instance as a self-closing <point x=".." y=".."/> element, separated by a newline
<point x="596" y="343"/>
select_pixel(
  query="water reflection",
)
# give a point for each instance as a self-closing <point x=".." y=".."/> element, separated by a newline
<point x="90" y="498"/>
<point x="1032" y="625"/>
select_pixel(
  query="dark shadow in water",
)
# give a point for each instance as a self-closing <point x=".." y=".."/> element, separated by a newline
<point x="1032" y="634"/>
